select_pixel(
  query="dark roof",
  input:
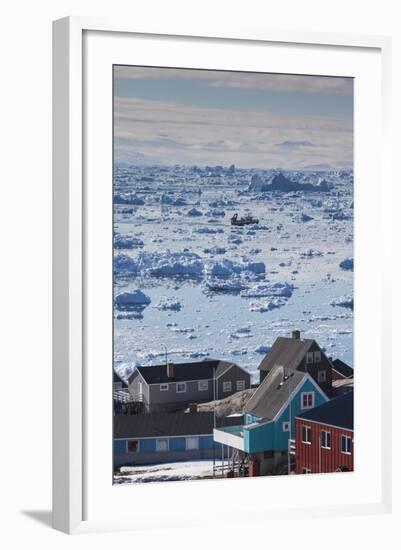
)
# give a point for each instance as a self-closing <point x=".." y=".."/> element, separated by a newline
<point x="168" y="424"/>
<point x="286" y="352"/>
<point x="273" y="392"/>
<point x="199" y="370"/>
<point x="342" y="368"/>
<point x="117" y="378"/>
<point x="338" y="412"/>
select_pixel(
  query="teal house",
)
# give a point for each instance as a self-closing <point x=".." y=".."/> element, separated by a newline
<point x="269" y="420"/>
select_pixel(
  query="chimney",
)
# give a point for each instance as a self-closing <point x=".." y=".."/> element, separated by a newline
<point x="170" y="370"/>
<point x="296" y="334"/>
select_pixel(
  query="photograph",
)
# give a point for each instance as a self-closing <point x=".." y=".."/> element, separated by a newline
<point x="233" y="274"/>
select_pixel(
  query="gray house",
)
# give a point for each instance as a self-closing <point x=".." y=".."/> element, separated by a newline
<point x="303" y="355"/>
<point x="173" y="387"/>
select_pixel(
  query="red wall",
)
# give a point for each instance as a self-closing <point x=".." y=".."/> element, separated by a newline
<point x="318" y="459"/>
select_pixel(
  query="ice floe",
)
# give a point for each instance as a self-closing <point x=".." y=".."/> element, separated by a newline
<point x="132" y="298"/>
<point x="194" y="212"/>
<point x="127" y="241"/>
<point x="269" y="289"/>
<point x="171" y="304"/>
<point x="344" y="301"/>
<point x="347" y="264"/>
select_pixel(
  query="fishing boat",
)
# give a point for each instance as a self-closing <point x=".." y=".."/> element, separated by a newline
<point x="247" y="220"/>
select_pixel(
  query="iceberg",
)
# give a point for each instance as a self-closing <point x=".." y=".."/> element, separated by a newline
<point x="169" y="304"/>
<point x="127" y="241"/>
<point x="194" y="212"/>
<point x="224" y="285"/>
<point x="267" y="305"/>
<point x="269" y="289"/>
<point x="279" y="182"/>
<point x="128" y="198"/>
<point x="132" y="298"/>
<point x="310" y="253"/>
<point x="347" y="264"/>
<point x="215" y="250"/>
<point x="344" y="301"/>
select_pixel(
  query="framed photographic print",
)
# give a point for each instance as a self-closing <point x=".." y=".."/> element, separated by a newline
<point x="216" y="200"/>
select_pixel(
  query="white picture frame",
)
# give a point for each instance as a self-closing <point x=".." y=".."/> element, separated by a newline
<point x="70" y="258"/>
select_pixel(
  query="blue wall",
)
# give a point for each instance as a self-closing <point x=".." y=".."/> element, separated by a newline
<point x="269" y="436"/>
<point x="175" y="444"/>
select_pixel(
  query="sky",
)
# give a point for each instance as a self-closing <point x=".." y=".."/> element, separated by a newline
<point x="253" y="120"/>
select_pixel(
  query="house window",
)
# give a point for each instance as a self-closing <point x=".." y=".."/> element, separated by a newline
<point x="133" y="446"/>
<point x="306" y="471"/>
<point x="286" y="426"/>
<point x="240" y="385"/>
<point x="346" y="444"/>
<point x="309" y="357"/>
<point x="163" y="387"/>
<point x="306" y="435"/>
<point x="191" y="443"/>
<point x="318" y="356"/>
<point x="325" y="439"/>
<point x="321" y="376"/>
<point x="227" y="386"/>
<point x="162" y="445"/>
<point x="181" y="387"/>
<point x="307" y="400"/>
<point x="203" y="385"/>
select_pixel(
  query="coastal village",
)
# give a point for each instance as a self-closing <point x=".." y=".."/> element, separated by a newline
<point x="297" y="420"/>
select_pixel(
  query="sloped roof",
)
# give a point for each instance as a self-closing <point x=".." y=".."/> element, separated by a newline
<point x="117" y="378"/>
<point x="168" y="424"/>
<point x="342" y="368"/>
<point x="200" y="370"/>
<point x="338" y="412"/>
<point x="273" y="392"/>
<point x="286" y="352"/>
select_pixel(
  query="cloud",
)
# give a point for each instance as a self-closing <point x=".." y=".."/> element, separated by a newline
<point x="169" y="132"/>
<point x="243" y="80"/>
<point x="295" y="144"/>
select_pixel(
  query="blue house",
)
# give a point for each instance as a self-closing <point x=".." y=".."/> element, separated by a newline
<point x="269" y="419"/>
<point x="165" y="437"/>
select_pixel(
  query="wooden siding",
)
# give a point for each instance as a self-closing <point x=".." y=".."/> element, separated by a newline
<point x="316" y="458"/>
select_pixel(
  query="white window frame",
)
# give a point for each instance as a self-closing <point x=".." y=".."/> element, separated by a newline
<point x="178" y="384"/>
<point x="196" y="448"/>
<point x="163" y="387"/>
<point x="327" y="436"/>
<point x="319" y="376"/>
<point x="203" y="385"/>
<point x="350" y="444"/>
<point x="317" y="356"/>
<point x="309" y="431"/>
<point x="286" y="426"/>
<point x="162" y="440"/>
<point x="305" y="394"/>
<point x="137" y="449"/>
<point x="240" y="385"/>
<point x="228" y="384"/>
<point x="309" y="357"/>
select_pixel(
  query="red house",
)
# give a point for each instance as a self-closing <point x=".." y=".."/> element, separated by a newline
<point x="324" y="437"/>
